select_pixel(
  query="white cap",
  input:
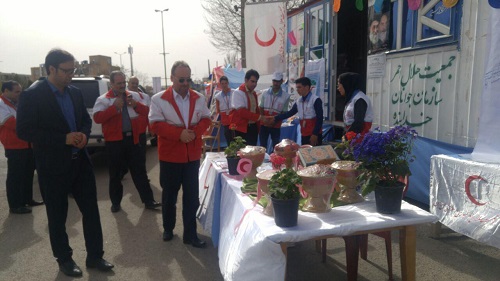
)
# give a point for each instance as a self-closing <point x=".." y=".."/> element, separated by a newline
<point x="277" y="76"/>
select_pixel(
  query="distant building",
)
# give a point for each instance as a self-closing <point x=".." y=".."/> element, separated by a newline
<point x="95" y="66"/>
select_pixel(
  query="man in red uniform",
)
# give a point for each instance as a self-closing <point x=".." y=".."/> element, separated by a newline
<point x="179" y="116"/>
<point x="118" y="112"/>
<point x="245" y="109"/>
<point x="20" y="162"/>
<point x="223" y="107"/>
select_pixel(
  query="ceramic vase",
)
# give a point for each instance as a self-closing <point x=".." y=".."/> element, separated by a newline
<point x="317" y="181"/>
<point x="255" y="154"/>
<point x="287" y="149"/>
<point x="347" y="174"/>
<point x="263" y="178"/>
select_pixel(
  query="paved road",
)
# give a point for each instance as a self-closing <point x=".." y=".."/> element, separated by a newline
<point x="133" y="243"/>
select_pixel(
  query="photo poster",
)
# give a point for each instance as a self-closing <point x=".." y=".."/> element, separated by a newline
<point x="379" y="27"/>
<point x="315" y="70"/>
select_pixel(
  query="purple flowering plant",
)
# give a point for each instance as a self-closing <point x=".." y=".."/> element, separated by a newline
<point x="384" y="156"/>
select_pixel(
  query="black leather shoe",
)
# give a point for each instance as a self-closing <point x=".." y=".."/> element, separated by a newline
<point x="153" y="205"/>
<point x="115" y="208"/>
<point x="34" y="203"/>
<point x="70" y="268"/>
<point x="168" y="235"/>
<point x="197" y="243"/>
<point x="101" y="264"/>
<point x="20" y="210"/>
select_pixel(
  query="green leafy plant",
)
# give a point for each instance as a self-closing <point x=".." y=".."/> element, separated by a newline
<point x="283" y="184"/>
<point x="384" y="156"/>
<point x="234" y="146"/>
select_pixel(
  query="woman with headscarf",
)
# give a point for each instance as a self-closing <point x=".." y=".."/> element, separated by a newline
<point x="358" y="111"/>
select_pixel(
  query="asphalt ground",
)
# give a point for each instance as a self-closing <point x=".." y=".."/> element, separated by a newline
<point x="132" y="242"/>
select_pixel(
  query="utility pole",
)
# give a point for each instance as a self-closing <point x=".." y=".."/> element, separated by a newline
<point x="164" y="54"/>
<point x="131" y="51"/>
<point x="121" y="64"/>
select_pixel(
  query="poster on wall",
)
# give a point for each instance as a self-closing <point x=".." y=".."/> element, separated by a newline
<point x="378" y="27"/>
<point x="315" y="70"/>
<point x="376" y="66"/>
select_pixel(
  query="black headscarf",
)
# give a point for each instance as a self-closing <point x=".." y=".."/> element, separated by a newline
<point x="350" y="81"/>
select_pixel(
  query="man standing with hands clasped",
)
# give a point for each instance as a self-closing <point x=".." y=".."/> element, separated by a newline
<point x="52" y="116"/>
<point x="179" y="116"/>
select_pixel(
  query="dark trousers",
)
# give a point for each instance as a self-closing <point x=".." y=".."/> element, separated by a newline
<point x="126" y="152"/>
<point x="228" y="134"/>
<point x="20" y="171"/>
<point x="264" y="134"/>
<point x="142" y="143"/>
<point x="81" y="183"/>
<point x="307" y="140"/>
<point x="172" y="176"/>
<point x="251" y="135"/>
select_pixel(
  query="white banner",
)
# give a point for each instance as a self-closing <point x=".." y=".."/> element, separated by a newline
<point x="265" y="34"/>
<point x="156" y="84"/>
<point x="465" y="196"/>
<point x="487" y="148"/>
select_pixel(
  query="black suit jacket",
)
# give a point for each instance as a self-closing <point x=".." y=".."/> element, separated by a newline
<point x="40" y="121"/>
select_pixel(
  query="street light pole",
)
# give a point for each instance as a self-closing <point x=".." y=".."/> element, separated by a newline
<point x="121" y="64"/>
<point x="164" y="54"/>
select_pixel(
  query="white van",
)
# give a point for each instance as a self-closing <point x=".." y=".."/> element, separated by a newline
<point x="92" y="88"/>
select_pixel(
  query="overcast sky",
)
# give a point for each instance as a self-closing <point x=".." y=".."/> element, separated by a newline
<point x="29" y="29"/>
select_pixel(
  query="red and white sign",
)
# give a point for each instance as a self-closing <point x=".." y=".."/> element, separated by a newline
<point x="265" y="35"/>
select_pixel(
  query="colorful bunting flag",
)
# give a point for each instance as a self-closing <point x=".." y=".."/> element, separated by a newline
<point x="414" y="4"/>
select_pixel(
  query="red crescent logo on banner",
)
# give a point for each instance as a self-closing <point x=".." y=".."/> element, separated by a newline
<point x="467" y="189"/>
<point x="265" y="43"/>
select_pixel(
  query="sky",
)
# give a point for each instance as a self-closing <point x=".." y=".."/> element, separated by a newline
<point x="29" y="29"/>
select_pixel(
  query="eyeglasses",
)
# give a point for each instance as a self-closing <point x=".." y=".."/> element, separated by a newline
<point x="181" y="80"/>
<point x="68" y="71"/>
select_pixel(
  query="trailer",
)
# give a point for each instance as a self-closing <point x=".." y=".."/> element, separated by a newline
<point x="423" y="62"/>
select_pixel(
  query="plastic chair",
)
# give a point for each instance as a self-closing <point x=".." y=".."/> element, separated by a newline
<point x="211" y="138"/>
<point x="362" y="241"/>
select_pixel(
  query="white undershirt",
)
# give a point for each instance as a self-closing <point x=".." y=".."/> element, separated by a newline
<point x="183" y="104"/>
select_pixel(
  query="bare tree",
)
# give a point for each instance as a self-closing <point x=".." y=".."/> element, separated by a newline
<point x="226" y="27"/>
<point x="231" y="58"/>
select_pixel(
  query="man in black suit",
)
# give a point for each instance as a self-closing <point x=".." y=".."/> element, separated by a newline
<point x="52" y="116"/>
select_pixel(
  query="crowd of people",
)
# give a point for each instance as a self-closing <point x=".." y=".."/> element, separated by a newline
<point x="47" y="127"/>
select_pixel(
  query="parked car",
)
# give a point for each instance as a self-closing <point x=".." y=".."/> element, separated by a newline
<point x="92" y="88"/>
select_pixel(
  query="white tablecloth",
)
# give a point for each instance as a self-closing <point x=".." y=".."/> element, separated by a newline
<point x="252" y="251"/>
<point x="465" y="195"/>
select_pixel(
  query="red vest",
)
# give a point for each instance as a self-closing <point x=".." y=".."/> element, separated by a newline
<point x="8" y="136"/>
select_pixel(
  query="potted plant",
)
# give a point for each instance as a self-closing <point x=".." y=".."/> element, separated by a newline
<point x="384" y="159"/>
<point x="231" y="153"/>
<point x="285" y="196"/>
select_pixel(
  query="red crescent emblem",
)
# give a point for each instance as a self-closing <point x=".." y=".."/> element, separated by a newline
<point x="265" y="43"/>
<point x="242" y="164"/>
<point x="467" y="189"/>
